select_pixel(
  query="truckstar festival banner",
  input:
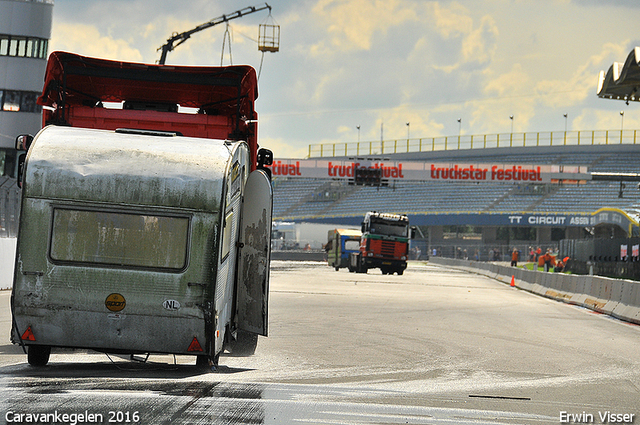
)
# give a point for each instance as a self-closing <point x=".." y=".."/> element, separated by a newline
<point x="425" y="171"/>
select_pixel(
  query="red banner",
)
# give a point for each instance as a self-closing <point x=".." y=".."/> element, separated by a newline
<point x="429" y="171"/>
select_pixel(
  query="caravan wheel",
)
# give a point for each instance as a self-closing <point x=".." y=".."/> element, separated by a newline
<point x="38" y="355"/>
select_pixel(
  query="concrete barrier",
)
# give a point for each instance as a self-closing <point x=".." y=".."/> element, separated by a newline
<point x="619" y="298"/>
<point x="629" y="292"/>
<point x="7" y="258"/>
<point x="298" y="255"/>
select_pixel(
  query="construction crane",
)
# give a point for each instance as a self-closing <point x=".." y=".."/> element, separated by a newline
<point x="178" y="39"/>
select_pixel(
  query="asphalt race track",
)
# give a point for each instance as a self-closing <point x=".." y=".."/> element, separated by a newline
<point x="433" y="346"/>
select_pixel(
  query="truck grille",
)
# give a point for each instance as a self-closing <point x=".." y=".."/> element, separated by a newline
<point x="388" y="249"/>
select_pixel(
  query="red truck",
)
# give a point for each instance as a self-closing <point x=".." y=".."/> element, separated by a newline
<point x="384" y="244"/>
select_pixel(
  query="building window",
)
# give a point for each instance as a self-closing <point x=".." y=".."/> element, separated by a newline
<point x="23" y="47"/>
<point x="19" y="101"/>
<point x="11" y="101"/>
<point x="28" y="103"/>
<point x="44" y="44"/>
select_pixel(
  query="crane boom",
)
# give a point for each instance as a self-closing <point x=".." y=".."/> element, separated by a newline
<point x="182" y="37"/>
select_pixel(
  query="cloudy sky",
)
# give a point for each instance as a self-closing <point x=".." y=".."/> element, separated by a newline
<point x="379" y="64"/>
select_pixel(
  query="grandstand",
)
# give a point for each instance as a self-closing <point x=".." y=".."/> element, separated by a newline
<point x="555" y="211"/>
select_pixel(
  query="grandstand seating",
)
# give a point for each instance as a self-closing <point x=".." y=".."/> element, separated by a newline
<point x="300" y="199"/>
<point x="289" y="192"/>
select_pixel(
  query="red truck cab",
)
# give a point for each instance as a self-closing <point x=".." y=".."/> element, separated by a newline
<point x="88" y="92"/>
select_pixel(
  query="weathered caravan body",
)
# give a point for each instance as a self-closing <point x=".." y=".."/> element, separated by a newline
<point x="128" y="243"/>
<point x="134" y="238"/>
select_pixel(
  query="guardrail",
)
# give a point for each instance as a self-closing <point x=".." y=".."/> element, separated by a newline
<point x="616" y="297"/>
<point x="444" y="143"/>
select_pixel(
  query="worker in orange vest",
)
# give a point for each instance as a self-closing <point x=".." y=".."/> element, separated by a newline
<point x="514" y="258"/>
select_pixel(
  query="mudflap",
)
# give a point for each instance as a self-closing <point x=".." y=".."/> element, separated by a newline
<point x="254" y="257"/>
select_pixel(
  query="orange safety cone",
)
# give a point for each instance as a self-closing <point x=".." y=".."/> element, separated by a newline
<point x="513" y="280"/>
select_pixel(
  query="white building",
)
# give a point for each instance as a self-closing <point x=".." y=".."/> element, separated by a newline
<point x="25" y="30"/>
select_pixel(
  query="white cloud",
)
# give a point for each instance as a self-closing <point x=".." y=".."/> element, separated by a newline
<point x="73" y="38"/>
<point x="516" y="81"/>
<point x="352" y="24"/>
<point x="282" y="148"/>
<point x="419" y="119"/>
<point x="479" y="44"/>
<point x="581" y="84"/>
<point x="453" y="21"/>
<point x="597" y="119"/>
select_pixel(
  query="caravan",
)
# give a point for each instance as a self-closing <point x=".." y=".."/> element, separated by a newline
<point x="141" y="241"/>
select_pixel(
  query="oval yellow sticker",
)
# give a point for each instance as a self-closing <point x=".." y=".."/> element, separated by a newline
<point x="115" y="302"/>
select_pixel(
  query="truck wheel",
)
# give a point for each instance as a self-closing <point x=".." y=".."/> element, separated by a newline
<point x="337" y="268"/>
<point x="244" y="345"/>
<point x="38" y="355"/>
<point x="400" y="272"/>
<point x="362" y="268"/>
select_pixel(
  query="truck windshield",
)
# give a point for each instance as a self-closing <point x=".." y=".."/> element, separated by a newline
<point x="352" y="245"/>
<point x="388" y="228"/>
<point x="119" y="239"/>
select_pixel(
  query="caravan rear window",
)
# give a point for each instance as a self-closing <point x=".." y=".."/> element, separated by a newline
<point x="119" y="239"/>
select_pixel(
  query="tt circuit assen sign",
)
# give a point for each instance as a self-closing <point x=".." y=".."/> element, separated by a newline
<point x="608" y="216"/>
<point x="602" y="216"/>
<point x="427" y="171"/>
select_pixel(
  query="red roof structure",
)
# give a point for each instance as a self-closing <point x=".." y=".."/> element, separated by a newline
<point x="76" y="88"/>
